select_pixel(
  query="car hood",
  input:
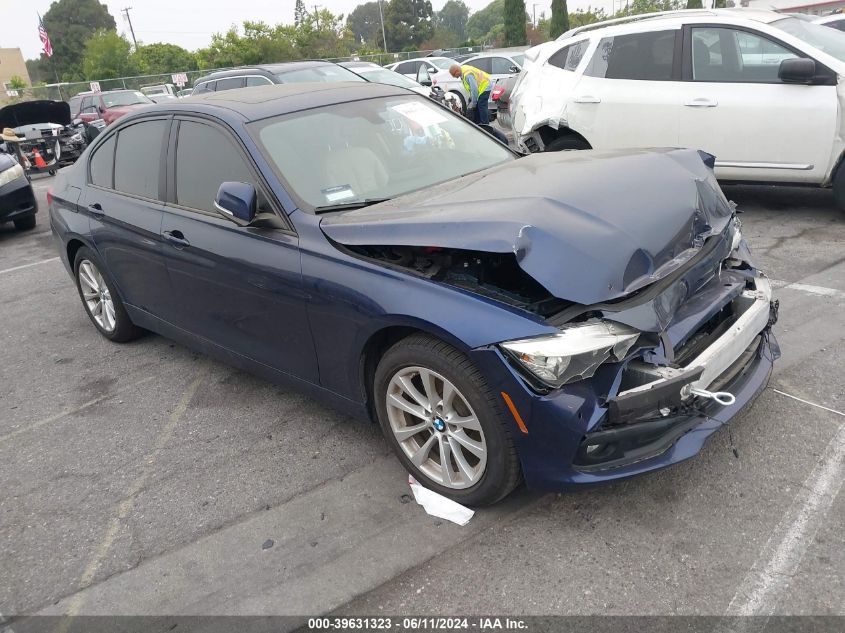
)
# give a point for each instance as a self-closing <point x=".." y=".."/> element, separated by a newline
<point x="590" y="226"/>
<point x="29" y="112"/>
<point x="6" y="161"/>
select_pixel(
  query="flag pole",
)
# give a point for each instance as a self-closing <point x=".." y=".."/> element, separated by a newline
<point x="41" y="30"/>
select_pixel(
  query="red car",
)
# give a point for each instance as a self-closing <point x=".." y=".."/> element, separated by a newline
<point x="108" y="106"/>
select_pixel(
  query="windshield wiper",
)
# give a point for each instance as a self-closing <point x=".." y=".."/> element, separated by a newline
<point x="344" y="206"/>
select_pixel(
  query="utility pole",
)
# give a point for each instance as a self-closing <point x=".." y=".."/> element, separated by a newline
<point x="383" y="36"/>
<point x="534" y="17"/>
<point x="125" y="12"/>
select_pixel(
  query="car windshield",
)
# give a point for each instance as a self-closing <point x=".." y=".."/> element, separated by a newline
<point x="443" y="64"/>
<point x="329" y="72"/>
<point x="370" y="150"/>
<point x="821" y="37"/>
<point x="519" y="59"/>
<point x="130" y="97"/>
<point x="384" y="76"/>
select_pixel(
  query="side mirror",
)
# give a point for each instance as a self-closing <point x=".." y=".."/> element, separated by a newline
<point x="236" y="201"/>
<point x="514" y="69"/>
<point x="797" y="71"/>
<point x="101" y="109"/>
<point x="423" y="76"/>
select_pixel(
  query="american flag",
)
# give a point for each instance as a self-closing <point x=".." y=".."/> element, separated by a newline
<point x="45" y="39"/>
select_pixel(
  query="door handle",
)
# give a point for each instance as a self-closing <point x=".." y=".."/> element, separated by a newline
<point x="701" y="102"/>
<point x="176" y="238"/>
<point x="96" y="209"/>
<point x="587" y="99"/>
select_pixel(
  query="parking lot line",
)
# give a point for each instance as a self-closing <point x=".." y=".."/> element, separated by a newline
<point x="812" y="404"/>
<point x="821" y="291"/>
<point x="43" y="261"/>
<point x="66" y="412"/>
<point x="780" y="557"/>
<point x="125" y="506"/>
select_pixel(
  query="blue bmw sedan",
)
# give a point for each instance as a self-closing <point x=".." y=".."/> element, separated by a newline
<point x="563" y="318"/>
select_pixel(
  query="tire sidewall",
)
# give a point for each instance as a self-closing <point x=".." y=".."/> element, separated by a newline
<point x="494" y="479"/>
<point x="124" y="329"/>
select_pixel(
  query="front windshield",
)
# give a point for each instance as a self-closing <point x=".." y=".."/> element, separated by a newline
<point x="326" y="73"/>
<point x="130" y="97"/>
<point x="821" y="37"/>
<point x="389" y="77"/>
<point x="373" y="149"/>
<point x="443" y="64"/>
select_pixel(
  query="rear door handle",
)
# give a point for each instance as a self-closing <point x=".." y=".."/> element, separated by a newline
<point x="701" y="102"/>
<point x="587" y="99"/>
<point x="176" y="238"/>
<point x="96" y="209"/>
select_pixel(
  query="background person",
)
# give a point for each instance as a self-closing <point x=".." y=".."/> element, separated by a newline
<point x="477" y="83"/>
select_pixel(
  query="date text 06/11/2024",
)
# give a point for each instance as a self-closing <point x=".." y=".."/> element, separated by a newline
<point x="428" y="623"/>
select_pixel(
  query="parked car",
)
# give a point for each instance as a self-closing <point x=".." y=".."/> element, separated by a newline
<point x="379" y="74"/>
<point x="757" y="89"/>
<point x="288" y="72"/>
<point x="160" y="92"/>
<point x="437" y="69"/>
<point x="17" y="200"/>
<point x="563" y="318"/>
<point x="499" y="66"/>
<point x="45" y="125"/>
<point x="186" y="92"/>
<point x="110" y="105"/>
<point x="835" y="21"/>
<point x="501" y="96"/>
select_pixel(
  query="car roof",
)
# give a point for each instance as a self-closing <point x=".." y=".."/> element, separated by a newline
<point x="264" y="68"/>
<point x="676" y="17"/>
<point x="260" y="102"/>
<point x="425" y="59"/>
<point x="359" y="64"/>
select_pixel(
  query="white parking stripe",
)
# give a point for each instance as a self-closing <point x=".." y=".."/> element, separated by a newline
<point x="821" y="291"/>
<point x="812" y="404"/>
<point x="779" y="559"/>
<point x="43" y="261"/>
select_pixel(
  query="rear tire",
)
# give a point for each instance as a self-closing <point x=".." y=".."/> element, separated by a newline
<point x="100" y="299"/>
<point x="839" y="188"/>
<point x="25" y="224"/>
<point x="482" y="464"/>
<point x="567" y="143"/>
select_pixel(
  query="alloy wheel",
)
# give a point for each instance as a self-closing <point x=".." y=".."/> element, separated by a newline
<point x="436" y="427"/>
<point x="96" y="295"/>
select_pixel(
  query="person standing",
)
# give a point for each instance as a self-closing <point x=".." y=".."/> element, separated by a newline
<point x="477" y="83"/>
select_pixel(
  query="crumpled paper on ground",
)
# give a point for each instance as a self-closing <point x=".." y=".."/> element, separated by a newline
<point x="439" y="506"/>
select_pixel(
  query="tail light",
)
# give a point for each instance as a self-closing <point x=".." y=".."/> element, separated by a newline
<point x="50" y="197"/>
<point x="433" y="82"/>
<point x="497" y="92"/>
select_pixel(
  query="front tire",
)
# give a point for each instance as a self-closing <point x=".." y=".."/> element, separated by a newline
<point x="101" y="301"/>
<point x="461" y="101"/>
<point x="567" y="143"/>
<point x="443" y="421"/>
<point x="839" y="188"/>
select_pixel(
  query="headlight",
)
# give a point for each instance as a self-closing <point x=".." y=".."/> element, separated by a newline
<point x="573" y="354"/>
<point x="13" y="173"/>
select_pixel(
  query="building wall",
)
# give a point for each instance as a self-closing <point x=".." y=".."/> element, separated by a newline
<point x="11" y="64"/>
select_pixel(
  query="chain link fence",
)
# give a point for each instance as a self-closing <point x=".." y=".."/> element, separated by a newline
<point x="64" y="91"/>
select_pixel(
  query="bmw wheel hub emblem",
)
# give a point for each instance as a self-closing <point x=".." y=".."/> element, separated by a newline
<point x="439" y="425"/>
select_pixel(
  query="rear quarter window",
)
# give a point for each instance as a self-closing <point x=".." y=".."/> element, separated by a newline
<point x="101" y="167"/>
<point x="570" y="56"/>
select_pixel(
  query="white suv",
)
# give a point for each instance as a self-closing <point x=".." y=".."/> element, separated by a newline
<point x="761" y="91"/>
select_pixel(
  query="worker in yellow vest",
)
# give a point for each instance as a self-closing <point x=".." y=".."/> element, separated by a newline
<point x="477" y="83"/>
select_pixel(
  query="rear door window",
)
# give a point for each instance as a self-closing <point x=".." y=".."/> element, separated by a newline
<point x="642" y="56"/>
<point x="230" y="83"/>
<point x="408" y="68"/>
<point x="137" y="158"/>
<point x="257" y="81"/>
<point x="501" y="66"/>
<point x="101" y="166"/>
<point x="482" y="63"/>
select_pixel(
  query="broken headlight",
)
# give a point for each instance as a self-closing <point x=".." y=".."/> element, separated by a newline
<point x="736" y="234"/>
<point x="574" y="353"/>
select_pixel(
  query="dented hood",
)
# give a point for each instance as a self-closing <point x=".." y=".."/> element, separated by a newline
<point x="590" y="226"/>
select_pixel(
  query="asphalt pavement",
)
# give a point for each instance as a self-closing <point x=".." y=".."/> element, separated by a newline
<point x="147" y="479"/>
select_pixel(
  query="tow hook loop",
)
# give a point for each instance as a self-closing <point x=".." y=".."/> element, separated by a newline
<point x="722" y="397"/>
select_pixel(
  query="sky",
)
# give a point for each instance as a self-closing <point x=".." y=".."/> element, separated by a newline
<point x="190" y="23"/>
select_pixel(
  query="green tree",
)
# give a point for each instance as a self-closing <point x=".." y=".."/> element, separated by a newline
<point x="70" y="23"/>
<point x="16" y="82"/>
<point x="720" y="4"/>
<point x="106" y="56"/>
<point x="322" y="34"/>
<point x="299" y="13"/>
<point x="514" y="22"/>
<point x="260" y="43"/>
<point x="638" y="7"/>
<point x="581" y="17"/>
<point x="482" y="22"/>
<point x="453" y="17"/>
<point x="408" y="23"/>
<point x="560" y="18"/>
<point x="365" y="23"/>
<point x="694" y="4"/>
<point x="155" y="59"/>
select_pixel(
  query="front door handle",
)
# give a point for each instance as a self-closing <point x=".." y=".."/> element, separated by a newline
<point x="587" y="99"/>
<point x="701" y="102"/>
<point x="96" y="209"/>
<point x="176" y="238"/>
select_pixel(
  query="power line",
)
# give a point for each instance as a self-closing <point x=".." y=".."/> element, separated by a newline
<point x="125" y="12"/>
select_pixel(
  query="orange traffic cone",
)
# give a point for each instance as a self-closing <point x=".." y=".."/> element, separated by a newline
<point x="39" y="162"/>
